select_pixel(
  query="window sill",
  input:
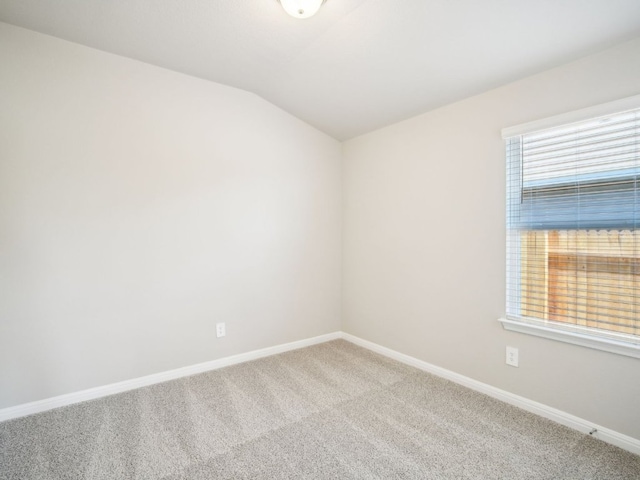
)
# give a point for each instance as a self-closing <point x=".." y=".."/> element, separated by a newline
<point x="598" y="343"/>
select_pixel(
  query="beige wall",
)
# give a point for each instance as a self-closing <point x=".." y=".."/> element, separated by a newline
<point x="424" y="243"/>
<point x="138" y="207"/>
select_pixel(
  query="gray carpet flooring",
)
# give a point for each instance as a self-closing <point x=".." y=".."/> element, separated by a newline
<point x="331" y="411"/>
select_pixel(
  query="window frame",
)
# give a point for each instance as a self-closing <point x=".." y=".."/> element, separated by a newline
<point x="577" y="335"/>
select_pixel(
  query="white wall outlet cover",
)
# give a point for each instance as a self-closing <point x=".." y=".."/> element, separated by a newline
<point x="220" y="330"/>
<point x="512" y="356"/>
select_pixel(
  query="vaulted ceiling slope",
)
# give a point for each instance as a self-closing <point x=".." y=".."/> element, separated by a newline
<point x="358" y="64"/>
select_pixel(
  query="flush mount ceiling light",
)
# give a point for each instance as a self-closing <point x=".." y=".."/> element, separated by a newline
<point x="301" y="8"/>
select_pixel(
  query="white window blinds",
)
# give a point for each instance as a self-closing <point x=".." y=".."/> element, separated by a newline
<point x="573" y="214"/>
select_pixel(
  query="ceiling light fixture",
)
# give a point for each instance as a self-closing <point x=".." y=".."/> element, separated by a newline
<point x="301" y="8"/>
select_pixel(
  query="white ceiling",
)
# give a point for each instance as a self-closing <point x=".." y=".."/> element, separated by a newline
<point x="356" y="66"/>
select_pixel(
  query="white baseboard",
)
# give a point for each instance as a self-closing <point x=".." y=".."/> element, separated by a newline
<point x="605" y="434"/>
<point x="602" y="433"/>
<point x="103" y="391"/>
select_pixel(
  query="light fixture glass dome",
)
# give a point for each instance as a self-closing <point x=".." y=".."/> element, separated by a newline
<point x="301" y="8"/>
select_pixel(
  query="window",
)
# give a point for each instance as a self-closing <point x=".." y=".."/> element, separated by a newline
<point x="573" y="227"/>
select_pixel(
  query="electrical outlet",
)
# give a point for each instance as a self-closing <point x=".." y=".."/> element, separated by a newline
<point x="512" y="356"/>
<point x="221" y="330"/>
